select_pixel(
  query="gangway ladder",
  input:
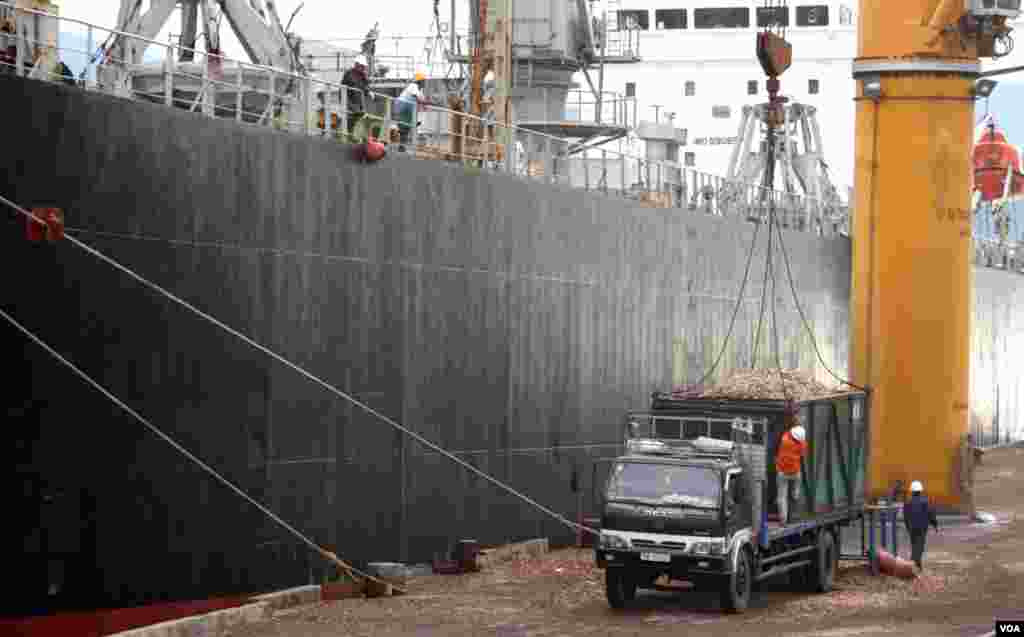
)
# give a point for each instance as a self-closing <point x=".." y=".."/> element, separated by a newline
<point x="621" y="35"/>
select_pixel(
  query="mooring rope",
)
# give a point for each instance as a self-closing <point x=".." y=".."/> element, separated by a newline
<point x="188" y="454"/>
<point x="331" y="388"/>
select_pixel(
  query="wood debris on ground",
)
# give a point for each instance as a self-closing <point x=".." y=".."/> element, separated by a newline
<point x="857" y="588"/>
<point x="571" y="567"/>
<point x="762" y="384"/>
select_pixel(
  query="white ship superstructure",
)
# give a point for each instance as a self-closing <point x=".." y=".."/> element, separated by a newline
<point x="698" y="63"/>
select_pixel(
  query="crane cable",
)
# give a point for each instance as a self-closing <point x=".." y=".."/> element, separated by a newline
<point x="767" y="181"/>
<point x="746" y="274"/>
<point x="773" y="23"/>
<point x="315" y="379"/>
<point x="805" y="323"/>
<point x="773" y="228"/>
<point x="735" y="310"/>
<point x="789" y="272"/>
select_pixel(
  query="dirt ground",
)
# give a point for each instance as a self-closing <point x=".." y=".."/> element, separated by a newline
<point x="974" y="573"/>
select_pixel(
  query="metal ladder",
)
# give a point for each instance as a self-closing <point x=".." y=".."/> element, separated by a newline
<point x="620" y="44"/>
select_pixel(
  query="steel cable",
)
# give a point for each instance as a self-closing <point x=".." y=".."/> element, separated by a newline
<point x="332" y="389"/>
<point x="775" y="323"/>
<point x="804" y="322"/>
<point x="736" y="308"/>
<point x="188" y="454"/>
<point x="767" y="183"/>
<point x="764" y="300"/>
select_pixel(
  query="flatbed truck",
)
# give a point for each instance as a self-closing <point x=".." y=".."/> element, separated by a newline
<point x="693" y="497"/>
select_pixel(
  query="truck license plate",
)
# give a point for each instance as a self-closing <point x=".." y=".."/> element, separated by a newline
<point x="656" y="557"/>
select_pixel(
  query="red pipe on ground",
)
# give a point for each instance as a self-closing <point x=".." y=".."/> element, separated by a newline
<point x="889" y="564"/>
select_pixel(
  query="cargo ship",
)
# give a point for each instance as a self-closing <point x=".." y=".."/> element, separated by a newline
<point x="491" y="307"/>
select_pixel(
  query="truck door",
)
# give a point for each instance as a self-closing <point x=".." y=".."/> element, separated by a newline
<point x="738" y="502"/>
<point x="598" y="478"/>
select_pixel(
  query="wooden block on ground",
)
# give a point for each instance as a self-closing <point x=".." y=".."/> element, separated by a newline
<point x="342" y="590"/>
<point x="378" y="589"/>
<point x="520" y="550"/>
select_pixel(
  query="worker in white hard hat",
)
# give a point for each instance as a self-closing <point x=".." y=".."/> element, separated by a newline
<point x="405" y="106"/>
<point x="917" y="516"/>
<point x="792" y="449"/>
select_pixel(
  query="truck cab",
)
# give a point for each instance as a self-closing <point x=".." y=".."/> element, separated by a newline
<point x="694" y="496"/>
<point x="675" y="511"/>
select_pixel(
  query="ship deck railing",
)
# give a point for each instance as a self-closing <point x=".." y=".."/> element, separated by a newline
<point x="217" y="86"/>
<point x="579" y="156"/>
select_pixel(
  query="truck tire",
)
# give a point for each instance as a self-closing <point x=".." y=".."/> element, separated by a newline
<point x="823" y="572"/>
<point x="619" y="587"/>
<point x="736" y="588"/>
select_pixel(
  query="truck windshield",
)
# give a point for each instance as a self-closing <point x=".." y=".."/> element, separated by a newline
<point x="667" y="484"/>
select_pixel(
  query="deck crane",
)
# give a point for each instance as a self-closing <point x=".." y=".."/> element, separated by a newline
<point x="790" y="156"/>
<point x="255" y="22"/>
<point x="491" y="55"/>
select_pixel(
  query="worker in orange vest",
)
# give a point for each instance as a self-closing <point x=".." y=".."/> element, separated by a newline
<point x="792" y="449"/>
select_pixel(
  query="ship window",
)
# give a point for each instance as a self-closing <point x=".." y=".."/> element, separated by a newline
<point x="845" y="16"/>
<point x="670" y="18"/>
<point x="690" y="88"/>
<point x="630" y="89"/>
<point x="813" y="87"/>
<point x="721" y="18"/>
<point x="814" y="15"/>
<point x="752" y="87"/>
<point x="772" y="16"/>
<point x="633" y="20"/>
<point x="721" y="112"/>
<point x="690" y="159"/>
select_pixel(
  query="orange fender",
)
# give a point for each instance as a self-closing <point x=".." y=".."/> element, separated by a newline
<point x="374" y="150"/>
<point x="892" y="565"/>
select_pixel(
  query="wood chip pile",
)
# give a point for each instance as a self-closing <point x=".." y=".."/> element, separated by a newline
<point x="762" y="384"/>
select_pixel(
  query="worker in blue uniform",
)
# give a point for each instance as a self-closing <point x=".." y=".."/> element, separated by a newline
<point x="917" y="516"/>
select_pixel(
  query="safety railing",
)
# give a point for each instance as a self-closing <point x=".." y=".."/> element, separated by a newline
<point x="388" y="67"/>
<point x="287" y="101"/>
<point x="1002" y="255"/>
<point x="254" y="94"/>
<point x="612" y="109"/>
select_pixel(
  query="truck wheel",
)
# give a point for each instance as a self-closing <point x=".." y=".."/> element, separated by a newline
<point x="736" y="589"/>
<point x="619" y="587"/>
<point x="824" y="571"/>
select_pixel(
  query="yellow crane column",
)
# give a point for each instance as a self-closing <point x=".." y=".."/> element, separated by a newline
<point x="912" y="287"/>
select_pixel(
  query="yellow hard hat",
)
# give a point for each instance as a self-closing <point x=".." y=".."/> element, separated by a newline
<point x="420" y="77"/>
